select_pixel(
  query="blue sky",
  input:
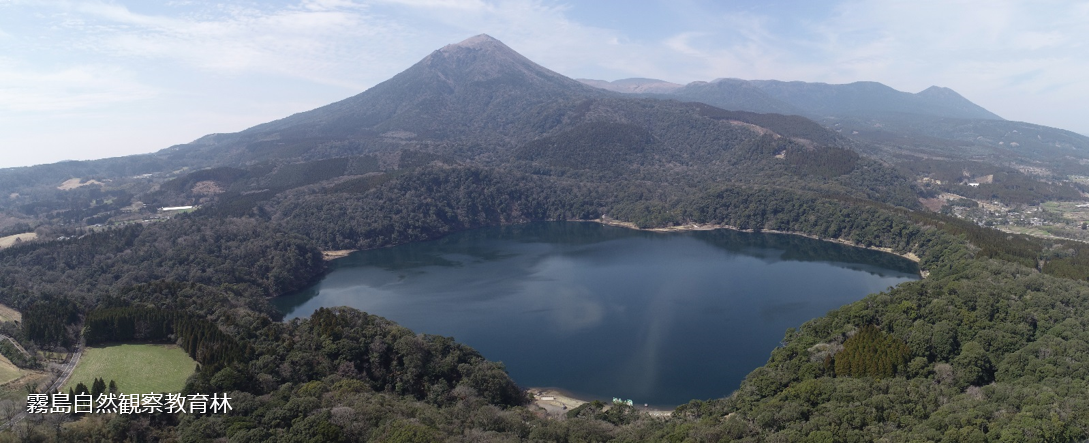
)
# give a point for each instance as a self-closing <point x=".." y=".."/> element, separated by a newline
<point x="93" y="79"/>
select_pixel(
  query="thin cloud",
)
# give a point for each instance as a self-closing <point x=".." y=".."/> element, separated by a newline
<point x="540" y="30"/>
<point x="682" y="44"/>
<point x="441" y="4"/>
<point x="315" y="41"/>
<point x="1023" y="60"/>
<point x="1014" y="58"/>
<point x="73" y="88"/>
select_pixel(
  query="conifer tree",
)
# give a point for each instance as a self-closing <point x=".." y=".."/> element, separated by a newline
<point x="98" y="387"/>
<point x="871" y="353"/>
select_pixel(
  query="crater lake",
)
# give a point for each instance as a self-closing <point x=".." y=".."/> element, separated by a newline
<point x="601" y="311"/>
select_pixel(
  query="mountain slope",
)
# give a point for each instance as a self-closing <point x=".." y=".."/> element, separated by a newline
<point x="479" y="103"/>
<point x="478" y="91"/>
<point x="867" y="98"/>
<point x="893" y="125"/>
<point x="955" y="103"/>
<point x="634" y="85"/>
<point x="815" y="100"/>
<point x="475" y="83"/>
<point x="735" y="95"/>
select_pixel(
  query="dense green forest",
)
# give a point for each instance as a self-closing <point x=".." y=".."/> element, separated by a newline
<point x="993" y="345"/>
<point x="987" y="346"/>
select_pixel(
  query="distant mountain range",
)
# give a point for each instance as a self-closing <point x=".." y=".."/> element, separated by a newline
<point x="817" y="100"/>
<point x="481" y="98"/>
<point x="476" y="135"/>
<point x="480" y="102"/>
<point x="634" y="85"/>
<point x="891" y="124"/>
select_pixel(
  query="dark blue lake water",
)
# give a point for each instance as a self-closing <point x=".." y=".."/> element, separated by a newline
<point x="607" y="312"/>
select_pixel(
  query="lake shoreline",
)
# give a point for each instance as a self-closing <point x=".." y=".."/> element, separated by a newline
<point x="557" y="402"/>
<point x="711" y="227"/>
<point x="622" y="302"/>
<point x="333" y="255"/>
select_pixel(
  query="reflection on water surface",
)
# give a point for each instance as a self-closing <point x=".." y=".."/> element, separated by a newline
<point x="603" y="311"/>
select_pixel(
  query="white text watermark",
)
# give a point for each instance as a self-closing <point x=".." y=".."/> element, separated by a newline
<point x="108" y="403"/>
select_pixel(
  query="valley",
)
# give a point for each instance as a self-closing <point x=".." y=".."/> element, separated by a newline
<point x="991" y="345"/>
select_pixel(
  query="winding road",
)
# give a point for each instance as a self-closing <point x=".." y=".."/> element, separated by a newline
<point x="65" y="373"/>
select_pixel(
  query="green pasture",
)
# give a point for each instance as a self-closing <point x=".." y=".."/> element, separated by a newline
<point x="136" y="368"/>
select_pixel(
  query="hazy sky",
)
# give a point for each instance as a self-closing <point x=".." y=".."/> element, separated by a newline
<point x="93" y="79"/>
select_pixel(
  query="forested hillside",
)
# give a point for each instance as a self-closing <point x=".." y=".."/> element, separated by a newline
<point x="476" y="103"/>
<point x="990" y="346"/>
<point x="973" y="322"/>
<point x="898" y="127"/>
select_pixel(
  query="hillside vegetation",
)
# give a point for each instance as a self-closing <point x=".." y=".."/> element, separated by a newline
<point x="975" y="334"/>
<point x="991" y="346"/>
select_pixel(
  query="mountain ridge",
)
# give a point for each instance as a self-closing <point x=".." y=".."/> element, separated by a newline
<point x="633" y="85"/>
<point x="455" y="66"/>
<point x="896" y="126"/>
<point x="479" y="100"/>
<point x="987" y="346"/>
<point x="480" y="103"/>
<point x="812" y="99"/>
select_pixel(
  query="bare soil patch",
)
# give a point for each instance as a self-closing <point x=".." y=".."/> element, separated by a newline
<point x="333" y="255"/>
<point x="74" y="183"/>
<point x="10" y="240"/>
<point x="932" y="204"/>
<point x="207" y="187"/>
<point x="9" y="314"/>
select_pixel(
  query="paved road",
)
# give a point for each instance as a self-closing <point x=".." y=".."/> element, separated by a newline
<point x="67" y="369"/>
<point x="58" y="383"/>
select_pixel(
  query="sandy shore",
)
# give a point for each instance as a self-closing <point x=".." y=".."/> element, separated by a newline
<point x="333" y="255"/>
<point x="711" y="227"/>
<point x="556" y="403"/>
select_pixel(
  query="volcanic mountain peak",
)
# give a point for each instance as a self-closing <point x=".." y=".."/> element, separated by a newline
<point x="480" y="41"/>
<point x="479" y="85"/>
<point x="950" y="99"/>
<point x="938" y="91"/>
<point x="481" y="47"/>
<point x="482" y="58"/>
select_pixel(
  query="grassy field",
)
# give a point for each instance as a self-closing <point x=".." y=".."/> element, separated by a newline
<point x="1069" y="210"/>
<point x="8" y="370"/>
<point x="15" y="390"/>
<point x="1027" y="230"/>
<point x="10" y="240"/>
<point x="8" y="314"/>
<point x="137" y="369"/>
